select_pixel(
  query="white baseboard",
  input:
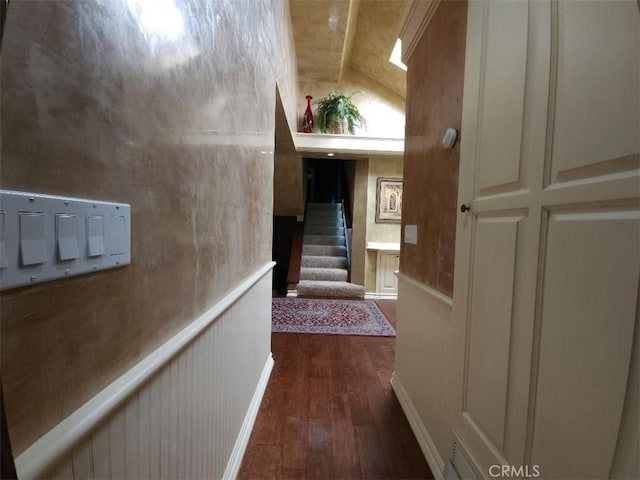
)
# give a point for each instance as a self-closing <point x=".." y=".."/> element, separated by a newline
<point x="380" y="296"/>
<point x="367" y="296"/>
<point x="428" y="447"/>
<point x="233" y="466"/>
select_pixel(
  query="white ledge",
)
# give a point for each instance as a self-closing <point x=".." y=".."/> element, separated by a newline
<point x="382" y="246"/>
<point x="327" y="143"/>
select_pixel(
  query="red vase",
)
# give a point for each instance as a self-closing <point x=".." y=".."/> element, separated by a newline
<point x="307" y="120"/>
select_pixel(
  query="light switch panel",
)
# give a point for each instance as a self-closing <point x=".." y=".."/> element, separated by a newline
<point x="95" y="235"/>
<point x="411" y="234"/>
<point x="48" y="237"/>
<point x="67" y="237"/>
<point x="33" y="249"/>
<point x="3" y="242"/>
<point x="117" y="230"/>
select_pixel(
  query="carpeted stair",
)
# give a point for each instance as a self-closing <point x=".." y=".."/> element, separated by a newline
<point x="323" y="271"/>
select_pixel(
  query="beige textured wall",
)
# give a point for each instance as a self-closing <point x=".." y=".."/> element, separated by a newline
<point x="284" y="59"/>
<point x="287" y="184"/>
<point x="382" y="108"/>
<point x="287" y="169"/>
<point x="98" y="104"/>
<point x="379" y="166"/>
<point x="434" y="92"/>
<point x="359" y="232"/>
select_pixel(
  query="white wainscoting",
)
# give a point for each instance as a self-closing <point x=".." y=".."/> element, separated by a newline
<point x="422" y="379"/>
<point x="184" y="411"/>
<point x="429" y="450"/>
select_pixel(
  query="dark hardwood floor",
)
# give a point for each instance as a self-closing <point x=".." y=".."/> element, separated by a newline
<point x="329" y="412"/>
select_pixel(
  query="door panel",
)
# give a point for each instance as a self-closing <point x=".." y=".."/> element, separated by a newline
<point x="502" y="95"/>
<point x="388" y="264"/>
<point x="490" y="336"/>
<point x="387" y="280"/>
<point x="548" y="260"/>
<point x="596" y="122"/>
<point x="587" y="323"/>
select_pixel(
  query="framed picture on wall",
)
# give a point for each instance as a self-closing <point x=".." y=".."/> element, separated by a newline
<point x="389" y="200"/>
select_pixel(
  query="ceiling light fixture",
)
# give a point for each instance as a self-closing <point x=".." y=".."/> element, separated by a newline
<point x="330" y="154"/>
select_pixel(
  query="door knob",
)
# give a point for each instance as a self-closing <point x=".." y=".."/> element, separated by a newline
<point x="464" y="208"/>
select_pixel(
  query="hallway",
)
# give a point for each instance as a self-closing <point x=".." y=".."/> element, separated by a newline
<point x="513" y="244"/>
<point x="329" y="412"/>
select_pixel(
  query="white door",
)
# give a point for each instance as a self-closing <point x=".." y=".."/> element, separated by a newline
<point x="547" y="260"/>
<point x="388" y="264"/>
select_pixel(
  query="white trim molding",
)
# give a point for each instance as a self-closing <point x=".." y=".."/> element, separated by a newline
<point x="347" y="144"/>
<point x="428" y="447"/>
<point x="380" y="296"/>
<point x="426" y="289"/>
<point x="383" y="246"/>
<point x="414" y="25"/>
<point x="233" y="467"/>
<point x="198" y="367"/>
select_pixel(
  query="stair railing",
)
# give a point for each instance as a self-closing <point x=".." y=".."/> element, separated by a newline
<point x="346" y="241"/>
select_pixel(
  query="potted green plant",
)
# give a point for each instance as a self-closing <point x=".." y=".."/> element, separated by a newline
<point x="335" y="111"/>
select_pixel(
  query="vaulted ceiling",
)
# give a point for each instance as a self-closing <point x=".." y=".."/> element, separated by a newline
<point x="332" y="36"/>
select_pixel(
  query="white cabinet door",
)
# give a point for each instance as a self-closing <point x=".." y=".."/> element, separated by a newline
<point x="388" y="263"/>
<point x="547" y="260"/>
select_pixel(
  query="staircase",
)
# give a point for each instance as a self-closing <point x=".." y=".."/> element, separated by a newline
<point x="324" y="266"/>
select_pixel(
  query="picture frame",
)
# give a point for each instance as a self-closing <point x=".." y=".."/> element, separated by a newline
<point x="389" y="200"/>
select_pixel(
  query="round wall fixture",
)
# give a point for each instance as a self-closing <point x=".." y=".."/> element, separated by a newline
<point x="450" y="137"/>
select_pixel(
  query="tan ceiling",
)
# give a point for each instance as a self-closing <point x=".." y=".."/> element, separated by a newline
<point x="320" y="32"/>
<point x="331" y="35"/>
<point x="379" y="23"/>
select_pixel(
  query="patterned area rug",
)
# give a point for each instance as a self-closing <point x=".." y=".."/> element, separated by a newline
<point x="338" y="317"/>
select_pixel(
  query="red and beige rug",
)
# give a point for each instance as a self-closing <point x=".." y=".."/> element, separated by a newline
<point x="338" y="317"/>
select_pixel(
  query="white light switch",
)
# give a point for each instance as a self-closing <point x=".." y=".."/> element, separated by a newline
<point x="411" y="234"/>
<point x="47" y="237"/>
<point x="3" y="243"/>
<point x="67" y="237"/>
<point x="32" y="239"/>
<point x="95" y="235"/>
<point x="117" y="237"/>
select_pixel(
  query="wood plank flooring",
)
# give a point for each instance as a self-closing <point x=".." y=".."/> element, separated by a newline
<point x="329" y="412"/>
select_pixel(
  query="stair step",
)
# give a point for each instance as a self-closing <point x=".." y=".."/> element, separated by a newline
<point x="323" y="216"/>
<point x="323" y="288"/>
<point x="323" y="240"/>
<point x="323" y="230"/>
<point x="324" y="211"/>
<point x="324" y="206"/>
<point x="323" y="222"/>
<point x="331" y="250"/>
<point x="323" y="261"/>
<point x="329" y="274"/>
